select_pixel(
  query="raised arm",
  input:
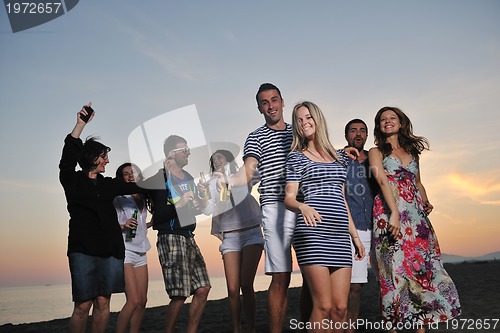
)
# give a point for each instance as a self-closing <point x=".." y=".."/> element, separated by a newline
<point x="71" y="151"/>
<point x="375" y="158"/>
<point x="80" y="124"/>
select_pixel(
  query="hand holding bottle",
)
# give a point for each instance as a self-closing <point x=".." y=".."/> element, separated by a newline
<point x="131" y="226"/>
<point x="186" y="199"/>
<point x="204" y="188"/>
<point x="225" y="191"/>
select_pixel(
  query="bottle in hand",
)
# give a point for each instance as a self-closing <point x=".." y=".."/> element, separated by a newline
<point x="225" y="192"/>
<point x="131" y="231"/>
<point x="206" y="195"/>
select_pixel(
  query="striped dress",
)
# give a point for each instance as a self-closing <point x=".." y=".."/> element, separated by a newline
<point x="329" y="243"/>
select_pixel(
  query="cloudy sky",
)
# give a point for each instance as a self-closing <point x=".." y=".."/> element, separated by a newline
<point x="139" y="60"/>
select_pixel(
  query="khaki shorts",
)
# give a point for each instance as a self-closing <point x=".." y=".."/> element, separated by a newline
<point x="184" y="269"/>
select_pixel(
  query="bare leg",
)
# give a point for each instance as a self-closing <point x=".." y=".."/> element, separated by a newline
<point x="100" y="314"/>
<point x="132" y="295"/>
<point x="318" y="281"/>
<point x="78" y="320"/>
<point x="173" y="310"/>
<point x="141" y="278"/>
<point x="232" y="266"/>
<point x="277" y="301"/>
<point x="353" y="304"/>
<point x="196" y="308"/>
<point x="249" y="263"/>
<point x="340" y="280"/>
<point x="305" y="301"/>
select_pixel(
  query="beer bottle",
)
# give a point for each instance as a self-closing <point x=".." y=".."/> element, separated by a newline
<point x="206" y="195"/>
<point x="131" y="231"/>
<point x="225" y="192"/>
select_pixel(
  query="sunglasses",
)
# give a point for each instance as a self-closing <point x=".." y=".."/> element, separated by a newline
<point x="185" y="150"/>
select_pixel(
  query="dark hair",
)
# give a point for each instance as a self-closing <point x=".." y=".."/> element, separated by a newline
<point x="171" y="142"/>
<point x="229" y="158"/>
<point x="119" y="171"/>
<point x="411" y="143"/>
<point x="354" y="121"/>
<point x="119" y="178"/>
<point x="265" y="87"/>
<point x="91" y="151"/>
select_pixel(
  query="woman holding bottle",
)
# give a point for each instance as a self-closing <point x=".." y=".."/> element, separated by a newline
<point x="132" y="213"/>
<point x="236" y="220"/>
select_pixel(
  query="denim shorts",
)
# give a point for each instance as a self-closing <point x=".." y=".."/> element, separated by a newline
<point x="278" y="223"/>
<point x="235" y="241"/>
<point x="93" y="276"/>
<point x="137" y="259"/>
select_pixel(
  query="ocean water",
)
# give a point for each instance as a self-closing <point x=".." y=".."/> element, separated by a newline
<point x="42" y="303"/>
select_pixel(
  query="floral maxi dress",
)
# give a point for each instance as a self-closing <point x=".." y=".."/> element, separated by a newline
<point x="414" y="286"/>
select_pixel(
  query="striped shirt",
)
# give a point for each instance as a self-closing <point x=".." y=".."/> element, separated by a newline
<point x="270" y="147"/>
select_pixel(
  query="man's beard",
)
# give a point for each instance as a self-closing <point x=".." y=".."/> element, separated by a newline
<point x="359" y="146"/>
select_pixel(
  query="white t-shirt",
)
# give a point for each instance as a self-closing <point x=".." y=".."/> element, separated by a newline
<point x="125" y="206"/>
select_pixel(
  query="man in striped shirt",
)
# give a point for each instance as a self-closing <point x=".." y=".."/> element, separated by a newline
<point x="266" y="150"/>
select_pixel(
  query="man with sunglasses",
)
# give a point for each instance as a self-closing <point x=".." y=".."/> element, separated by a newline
<point x="175" y="204"/>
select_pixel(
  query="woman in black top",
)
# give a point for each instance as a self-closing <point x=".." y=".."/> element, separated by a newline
<point x="95" y="243"/>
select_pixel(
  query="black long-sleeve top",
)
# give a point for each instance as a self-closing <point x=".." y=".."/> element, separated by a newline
<point x="165" y="214"/>
<point x="93" y="225"/>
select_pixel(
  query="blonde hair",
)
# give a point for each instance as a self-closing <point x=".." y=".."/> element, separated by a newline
<point x="299" y="142"/>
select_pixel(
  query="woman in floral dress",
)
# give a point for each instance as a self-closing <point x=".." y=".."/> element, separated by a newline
<point x="414" y="286"/>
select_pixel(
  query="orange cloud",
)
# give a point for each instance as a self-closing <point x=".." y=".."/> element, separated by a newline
<point x="484" y="188"/>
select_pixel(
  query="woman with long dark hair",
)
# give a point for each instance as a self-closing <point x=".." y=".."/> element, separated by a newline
<point x="415" y="288"/>
<point x="132" y="211"/>
<point x="236" y="220"/>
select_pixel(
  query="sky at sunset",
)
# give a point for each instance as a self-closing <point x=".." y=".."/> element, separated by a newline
<point x="439" y="61"/>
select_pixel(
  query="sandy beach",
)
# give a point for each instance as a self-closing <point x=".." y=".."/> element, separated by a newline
<point x="477" y="283"/>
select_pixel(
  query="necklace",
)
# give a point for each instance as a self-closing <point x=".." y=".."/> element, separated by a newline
<point x="318" y="155"/>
